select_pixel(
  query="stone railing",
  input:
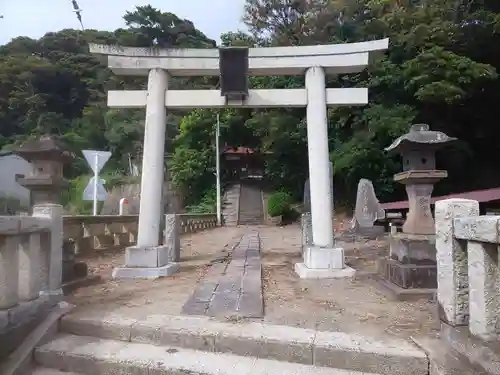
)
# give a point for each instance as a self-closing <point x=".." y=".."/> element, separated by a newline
<point x="191" y="223"/>
<point x="468" y="270"/>
<point x="108" y="232"/>
<point x="104" y="232"/>
<point x="30" y="271"/>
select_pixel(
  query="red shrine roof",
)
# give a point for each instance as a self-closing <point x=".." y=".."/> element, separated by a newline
<point x="487" y="195"/>
<point x="238" y="150"/>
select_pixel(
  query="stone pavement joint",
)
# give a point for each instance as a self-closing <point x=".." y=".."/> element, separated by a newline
<point x="233" y="289"/>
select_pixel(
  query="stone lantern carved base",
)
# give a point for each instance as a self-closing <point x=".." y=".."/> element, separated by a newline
<point x="410" y="269"/>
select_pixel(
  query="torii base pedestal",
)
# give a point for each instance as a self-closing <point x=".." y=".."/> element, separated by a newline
<point x="323" y="263"/>
<point x="147" y="262"/>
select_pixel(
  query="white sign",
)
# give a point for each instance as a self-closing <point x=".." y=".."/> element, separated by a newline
<point x="88" y="193"/>
<point x="102" y="158"/>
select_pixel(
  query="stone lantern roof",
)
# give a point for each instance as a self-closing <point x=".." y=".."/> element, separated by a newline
<point x="420" y="137"/>
<point x="46" y="147"/>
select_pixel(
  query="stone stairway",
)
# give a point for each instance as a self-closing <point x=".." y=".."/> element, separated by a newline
<point x="230" y="205"/>
<point x="175" y="345"/>
<point x="251" y="210"/>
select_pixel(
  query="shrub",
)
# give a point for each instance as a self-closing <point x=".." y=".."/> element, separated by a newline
<point x="279" y="204"/>
<point x="207" y="204"/>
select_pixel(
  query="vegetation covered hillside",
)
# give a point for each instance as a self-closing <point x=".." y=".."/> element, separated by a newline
<point x="441" y="69"/>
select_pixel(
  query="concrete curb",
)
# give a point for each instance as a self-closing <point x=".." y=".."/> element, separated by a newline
<point x="92" y="356"/>
<point x="289" y="344"/>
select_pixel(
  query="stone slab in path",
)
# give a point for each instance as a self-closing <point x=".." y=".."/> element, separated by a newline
<point x="232" y="289"/>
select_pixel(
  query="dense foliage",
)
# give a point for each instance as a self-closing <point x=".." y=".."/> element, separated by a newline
<point x="279" y="204"/>
<point x="441" y="69"/>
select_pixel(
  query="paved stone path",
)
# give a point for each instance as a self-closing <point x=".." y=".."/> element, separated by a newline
<point x="232" y="288"/>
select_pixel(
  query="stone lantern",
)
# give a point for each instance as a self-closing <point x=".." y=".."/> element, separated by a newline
<point x="46" y="181"/>
<point x="418" y="149"/>
<point x="412" y="260"/>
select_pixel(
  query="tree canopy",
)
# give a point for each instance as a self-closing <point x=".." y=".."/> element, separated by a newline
<point x="440" y="69"/>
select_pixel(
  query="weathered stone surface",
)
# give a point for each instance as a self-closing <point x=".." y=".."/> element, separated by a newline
<point x="172" y="237"/>
<point x="148" y="256"/>
<point x="113" y="327"/>
<point x="413" y="248"/>
<point x="21" y="341"/>
<point x="282" y="343"/>
<point x="419" y="218"/>
<point x="322" y="258"/>
<point x="99" y="356"/>
<point x="145" y="273"/>
<point x="234" y="289"/>
<point x="484" y="287"/>
<point x="55" y="246"/>
<point x="451" y="257"/>
<point x="368" y="208"/>
<point x="479" y="353"/>
<point x="9" y="266"/>
<point x="307" y="192"/>
<point x="408" y="276"/>
<point x="306" y="227"/>
<point x="443" y="360"/>
<point x="478" y="228"/>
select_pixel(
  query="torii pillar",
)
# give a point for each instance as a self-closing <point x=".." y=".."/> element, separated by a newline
<point x="149" y="258"/>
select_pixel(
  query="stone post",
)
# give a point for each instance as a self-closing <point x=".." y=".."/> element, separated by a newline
<point x="148" y="259"/>
<point x="54" y="257"/>
<point x="321" y="259"/>
<point x="452" y="261"/>
<point x="173" y="237"/>
<point x="153" y="159"/>
<point x="32" y="270"/>
<point x="9" y="266"/>
<point x="319" y="158"/>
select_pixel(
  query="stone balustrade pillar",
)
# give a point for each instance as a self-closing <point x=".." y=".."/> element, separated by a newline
<point x="483" y="238"/>
<point x="9" y="268"/>
<point x="54" y="255"/>
<point x="173" y="236"/>
<point x="32" y="266"/>
<point x="452" y="261"/>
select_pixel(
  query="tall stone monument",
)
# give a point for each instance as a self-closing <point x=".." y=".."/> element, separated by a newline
<point x="367" y="211"/>
<point x="412" y="260"/>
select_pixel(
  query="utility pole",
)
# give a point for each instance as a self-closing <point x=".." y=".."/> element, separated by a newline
<point x="217" y="171"/>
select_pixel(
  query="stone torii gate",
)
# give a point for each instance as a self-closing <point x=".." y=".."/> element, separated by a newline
<point x="149" y="259"/>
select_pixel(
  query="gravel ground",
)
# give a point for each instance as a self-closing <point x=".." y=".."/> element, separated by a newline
<point x="357" y="305"/>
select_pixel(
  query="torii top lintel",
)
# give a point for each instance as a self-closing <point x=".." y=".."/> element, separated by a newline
<point x="335" y="58"/>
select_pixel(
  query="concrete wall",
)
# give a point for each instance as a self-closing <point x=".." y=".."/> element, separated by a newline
<point x="10" y="165"/>
<point x="132" y="192"/>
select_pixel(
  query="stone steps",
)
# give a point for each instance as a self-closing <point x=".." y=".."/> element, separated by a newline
<point x="444" y="360"/>
<point x="251" y="210"/>
<point x="96" y="356"/>
<point x="335" y="350"/>
<point x="230" y="205"/>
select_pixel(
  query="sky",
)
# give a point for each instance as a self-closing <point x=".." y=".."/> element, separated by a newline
<point x="34" y="18"/>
